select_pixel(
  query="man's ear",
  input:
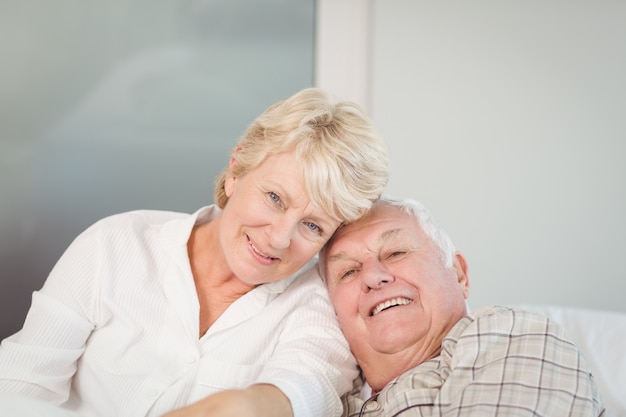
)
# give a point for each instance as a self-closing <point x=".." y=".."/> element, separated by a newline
<point x="460" y="268"/>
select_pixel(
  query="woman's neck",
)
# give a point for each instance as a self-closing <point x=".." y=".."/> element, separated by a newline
<point x="216" y="285"/>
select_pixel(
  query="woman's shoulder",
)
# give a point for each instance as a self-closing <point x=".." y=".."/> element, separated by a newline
<point x="133" y="225"/>
<point x="137" y="220"/>
<point x="306" y="284"/>
<point x="144" y="216"/>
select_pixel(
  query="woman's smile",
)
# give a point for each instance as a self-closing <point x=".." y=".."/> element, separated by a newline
<point x="260" y="255"/>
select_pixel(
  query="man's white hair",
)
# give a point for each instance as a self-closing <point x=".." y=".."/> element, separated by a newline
<point x="426" y="222"/>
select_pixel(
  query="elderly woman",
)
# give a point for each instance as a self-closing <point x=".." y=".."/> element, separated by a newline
<point x="219" y="312"/>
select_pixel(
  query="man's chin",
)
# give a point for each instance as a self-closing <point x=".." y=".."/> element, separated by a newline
<point x="389" y="342"/>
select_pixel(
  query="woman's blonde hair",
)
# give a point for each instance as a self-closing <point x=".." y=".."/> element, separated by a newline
<point x="344" y="160"/>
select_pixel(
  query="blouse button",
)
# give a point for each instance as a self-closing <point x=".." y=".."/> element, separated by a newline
<point x="372" y="405"/>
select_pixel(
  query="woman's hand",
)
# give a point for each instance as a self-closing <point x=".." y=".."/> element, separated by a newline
<point x="263" y="400"/>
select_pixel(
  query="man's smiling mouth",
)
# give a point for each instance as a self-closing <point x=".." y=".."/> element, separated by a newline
<point x="399" y="301"/>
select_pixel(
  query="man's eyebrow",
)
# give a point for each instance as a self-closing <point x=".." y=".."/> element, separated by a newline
<point x="391" y="233"/>
<point x="336" y="257"/>
<point x="386" y="235"/>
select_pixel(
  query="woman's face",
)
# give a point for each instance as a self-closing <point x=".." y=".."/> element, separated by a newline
<point x="270" y="228"/>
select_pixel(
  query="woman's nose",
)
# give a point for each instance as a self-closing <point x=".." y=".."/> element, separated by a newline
<point x="281" y="233"/>
<point x="374" y="276"/>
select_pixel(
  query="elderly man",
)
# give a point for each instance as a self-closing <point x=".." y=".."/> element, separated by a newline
<point x="399" y="289"/>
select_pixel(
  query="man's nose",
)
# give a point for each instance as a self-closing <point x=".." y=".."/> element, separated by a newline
<point x="374" y="276"/>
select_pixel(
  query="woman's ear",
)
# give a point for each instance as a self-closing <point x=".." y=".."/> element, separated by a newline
<point x="229" y="182"/>
<point x="233" y="161"/>
<point x="460" y="268"/>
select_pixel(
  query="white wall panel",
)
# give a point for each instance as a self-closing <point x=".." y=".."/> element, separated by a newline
<point x="507" y="120"/>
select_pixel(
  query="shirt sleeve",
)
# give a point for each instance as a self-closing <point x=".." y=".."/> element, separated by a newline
<point x="312" y="364"/>
<point x="16" y="405"/>
<point x="40" y="360"/>
<point x="511" y="362"/>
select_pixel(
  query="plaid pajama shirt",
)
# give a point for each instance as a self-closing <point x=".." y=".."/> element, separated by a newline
<point x="495" y="362"/>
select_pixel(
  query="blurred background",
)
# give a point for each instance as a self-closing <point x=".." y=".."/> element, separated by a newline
<point x="127" y="104"/>
<point x="507" y="119"/>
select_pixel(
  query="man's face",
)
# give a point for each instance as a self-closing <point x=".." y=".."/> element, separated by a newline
<point x="390" y="289"/>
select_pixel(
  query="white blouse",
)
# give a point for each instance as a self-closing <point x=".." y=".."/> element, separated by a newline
<point x="114" y="330"/>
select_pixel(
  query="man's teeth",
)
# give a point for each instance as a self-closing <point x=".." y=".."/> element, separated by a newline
<point x="390" y="303"/>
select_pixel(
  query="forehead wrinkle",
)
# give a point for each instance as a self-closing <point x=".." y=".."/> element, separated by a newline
<point x="385" y="236"/>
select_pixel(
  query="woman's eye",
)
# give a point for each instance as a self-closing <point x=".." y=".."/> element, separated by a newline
<point x="396" y="253"/>
<point x="313" y="227"/>
<point x="274" y="197"/>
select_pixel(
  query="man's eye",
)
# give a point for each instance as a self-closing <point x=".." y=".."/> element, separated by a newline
<point x="397" y="253"/>
<point x="347" y="274"/>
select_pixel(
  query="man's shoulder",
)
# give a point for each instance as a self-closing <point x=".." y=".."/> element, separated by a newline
<point x="501" y="331"/>
<point x="499" y="327"/>
<point x="504" y="319"/>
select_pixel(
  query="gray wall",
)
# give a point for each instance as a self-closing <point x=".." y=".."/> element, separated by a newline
<point x="507" y="119"/>
<point x="127" y="104"/>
